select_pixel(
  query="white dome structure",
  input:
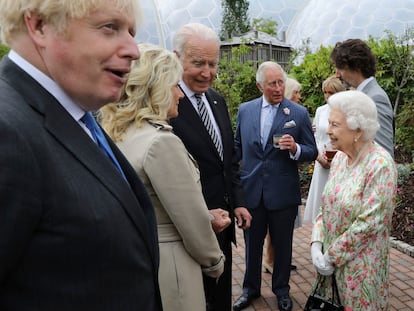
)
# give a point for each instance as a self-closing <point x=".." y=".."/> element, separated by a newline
<point x="323" y="22"/>
<point x="327" y="22"/>
<point x="162" y="18"/>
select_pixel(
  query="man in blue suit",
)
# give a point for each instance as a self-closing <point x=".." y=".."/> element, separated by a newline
<point x="270" y="178"/>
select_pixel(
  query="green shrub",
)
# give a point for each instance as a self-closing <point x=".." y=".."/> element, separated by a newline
<point x="3" y="50"/>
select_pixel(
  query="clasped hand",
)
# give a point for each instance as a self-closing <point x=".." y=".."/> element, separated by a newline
<point x="321" y="261"/>
<point x="221" y="219"/>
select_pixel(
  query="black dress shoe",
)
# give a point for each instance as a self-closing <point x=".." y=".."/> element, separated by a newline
<point x="293" y="267"/>
<point x="244" y="301"/>
<point x="284" y="303"/>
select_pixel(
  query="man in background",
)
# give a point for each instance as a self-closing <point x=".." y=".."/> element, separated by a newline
<point x="356" y="66"/>
<point x="270" y="178"/>
<point x="204" y="126"/>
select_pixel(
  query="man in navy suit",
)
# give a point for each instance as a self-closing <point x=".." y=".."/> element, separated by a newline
<point x="197" y="47"/>
<point x="77" y="228"/>
<point x="270" y="178"/>
<point x="355" y="66"/>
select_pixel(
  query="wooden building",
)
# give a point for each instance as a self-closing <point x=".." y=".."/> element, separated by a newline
<point x="264" y="47"/>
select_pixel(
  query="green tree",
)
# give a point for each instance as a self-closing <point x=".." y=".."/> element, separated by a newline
<point x="236" y="80"/>
<point x="313" y="70"/>
<point x="266" y="25"/>
<point x="235" y="19"/>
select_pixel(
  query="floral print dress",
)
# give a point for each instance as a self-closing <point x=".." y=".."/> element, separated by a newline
<point x="354" y="226"/>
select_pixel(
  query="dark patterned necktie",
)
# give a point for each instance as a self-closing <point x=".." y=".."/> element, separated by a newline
<point x="100" y="140"/>
<point x="202" y="109"/>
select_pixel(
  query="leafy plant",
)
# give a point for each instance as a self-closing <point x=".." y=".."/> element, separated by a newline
<point x="3" y="50"/>
<point x="236" y="79"/>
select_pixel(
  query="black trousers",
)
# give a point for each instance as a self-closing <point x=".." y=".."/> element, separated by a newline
<point x="218" y="294"/>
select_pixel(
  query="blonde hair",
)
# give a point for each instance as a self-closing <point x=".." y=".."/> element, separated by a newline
<point x="57" y="13"/>
<point x="147" y="95"/>
<point x="334" y="83"/>
<point x="291" y="85"/>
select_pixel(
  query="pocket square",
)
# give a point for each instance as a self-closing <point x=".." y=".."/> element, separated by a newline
<point x="289" y="124"/>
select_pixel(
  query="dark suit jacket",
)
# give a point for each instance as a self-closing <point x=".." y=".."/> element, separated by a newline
<point x="385" y="134"/>
<point x="271" y="171"/>
<point x="219" y="179"/>
<point x="73" y="234"/>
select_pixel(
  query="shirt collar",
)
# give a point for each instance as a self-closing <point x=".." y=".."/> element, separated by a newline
<point x="265" y="103"/>
<point x="364" y="83"/>
<point x="48" y="84"/>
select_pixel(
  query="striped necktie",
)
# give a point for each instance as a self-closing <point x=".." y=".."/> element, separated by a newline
<point x="202" y="109"/>
<point x="100" y="140"/>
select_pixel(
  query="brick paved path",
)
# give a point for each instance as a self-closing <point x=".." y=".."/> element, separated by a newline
<point x="402" y="276"/>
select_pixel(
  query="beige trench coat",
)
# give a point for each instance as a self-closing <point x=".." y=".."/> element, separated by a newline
<point x="188" y="245"/>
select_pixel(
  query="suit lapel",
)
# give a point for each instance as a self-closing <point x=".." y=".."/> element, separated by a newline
<point x="74" y="139"/>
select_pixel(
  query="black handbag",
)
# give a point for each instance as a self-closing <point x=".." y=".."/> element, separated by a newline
<point x="318" y="303"/>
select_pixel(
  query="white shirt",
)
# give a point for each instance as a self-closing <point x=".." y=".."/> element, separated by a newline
<point x="190" y="94"/>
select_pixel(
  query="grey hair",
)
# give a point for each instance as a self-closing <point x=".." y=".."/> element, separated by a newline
<point x="291" y="85"/>
<point x="264" y="67"/>
<point x="183" y="35"/>
<point x="360" y="111"/>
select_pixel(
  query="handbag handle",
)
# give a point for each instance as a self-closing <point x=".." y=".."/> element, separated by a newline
<point x="335" y="290"/>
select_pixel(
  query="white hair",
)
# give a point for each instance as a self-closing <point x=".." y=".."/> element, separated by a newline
<point x="360" y="111"/>
<point x="183" y="35"/>
<point x="264" y="67"/>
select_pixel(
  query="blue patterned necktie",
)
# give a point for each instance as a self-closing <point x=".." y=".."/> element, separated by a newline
<point x="269" y="115"/>
<point x="208" y="124"/>
<point x="100" y="140"/>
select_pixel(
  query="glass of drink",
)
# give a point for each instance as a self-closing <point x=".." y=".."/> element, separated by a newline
<point x="276" y="139"/>
<point x="329" y="152"/>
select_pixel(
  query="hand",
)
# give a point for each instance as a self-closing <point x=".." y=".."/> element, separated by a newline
<point x="323" y="161"/>
<point x="287" y="142"/>
<point x="221" y="219"/>
<point x="243" y="217"/>
<point x="320" y="261"/>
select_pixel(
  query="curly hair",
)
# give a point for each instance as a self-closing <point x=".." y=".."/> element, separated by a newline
<point x="356" y="55"/>
<point x="360" y="111"/>
<point x="147" y="95"/>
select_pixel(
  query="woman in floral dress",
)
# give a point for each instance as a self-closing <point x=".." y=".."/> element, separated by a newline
<point x="351" y="234"/>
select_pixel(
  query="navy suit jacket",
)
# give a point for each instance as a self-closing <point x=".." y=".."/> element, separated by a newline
<point x="219" y="179"/>
<point x="271" y="173"/>
<point x="73" y="234"/>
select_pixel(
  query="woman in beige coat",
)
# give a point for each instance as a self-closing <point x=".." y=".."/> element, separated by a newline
<point x="138" y="123"/>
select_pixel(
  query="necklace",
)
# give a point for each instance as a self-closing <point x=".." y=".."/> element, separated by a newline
<point x="358" y="157"/>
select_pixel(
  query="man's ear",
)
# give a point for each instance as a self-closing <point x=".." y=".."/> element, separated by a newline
<point x="35" y="27"/>
<point x="259" y="87"/>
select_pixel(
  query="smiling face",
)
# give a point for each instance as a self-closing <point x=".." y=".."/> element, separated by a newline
<point x="91" y="60"/>
<point x="200" y="64"/>
<point x="342" y="137"/>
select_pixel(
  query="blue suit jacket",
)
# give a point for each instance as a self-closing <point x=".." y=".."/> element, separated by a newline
<point x="271" y="171"/>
